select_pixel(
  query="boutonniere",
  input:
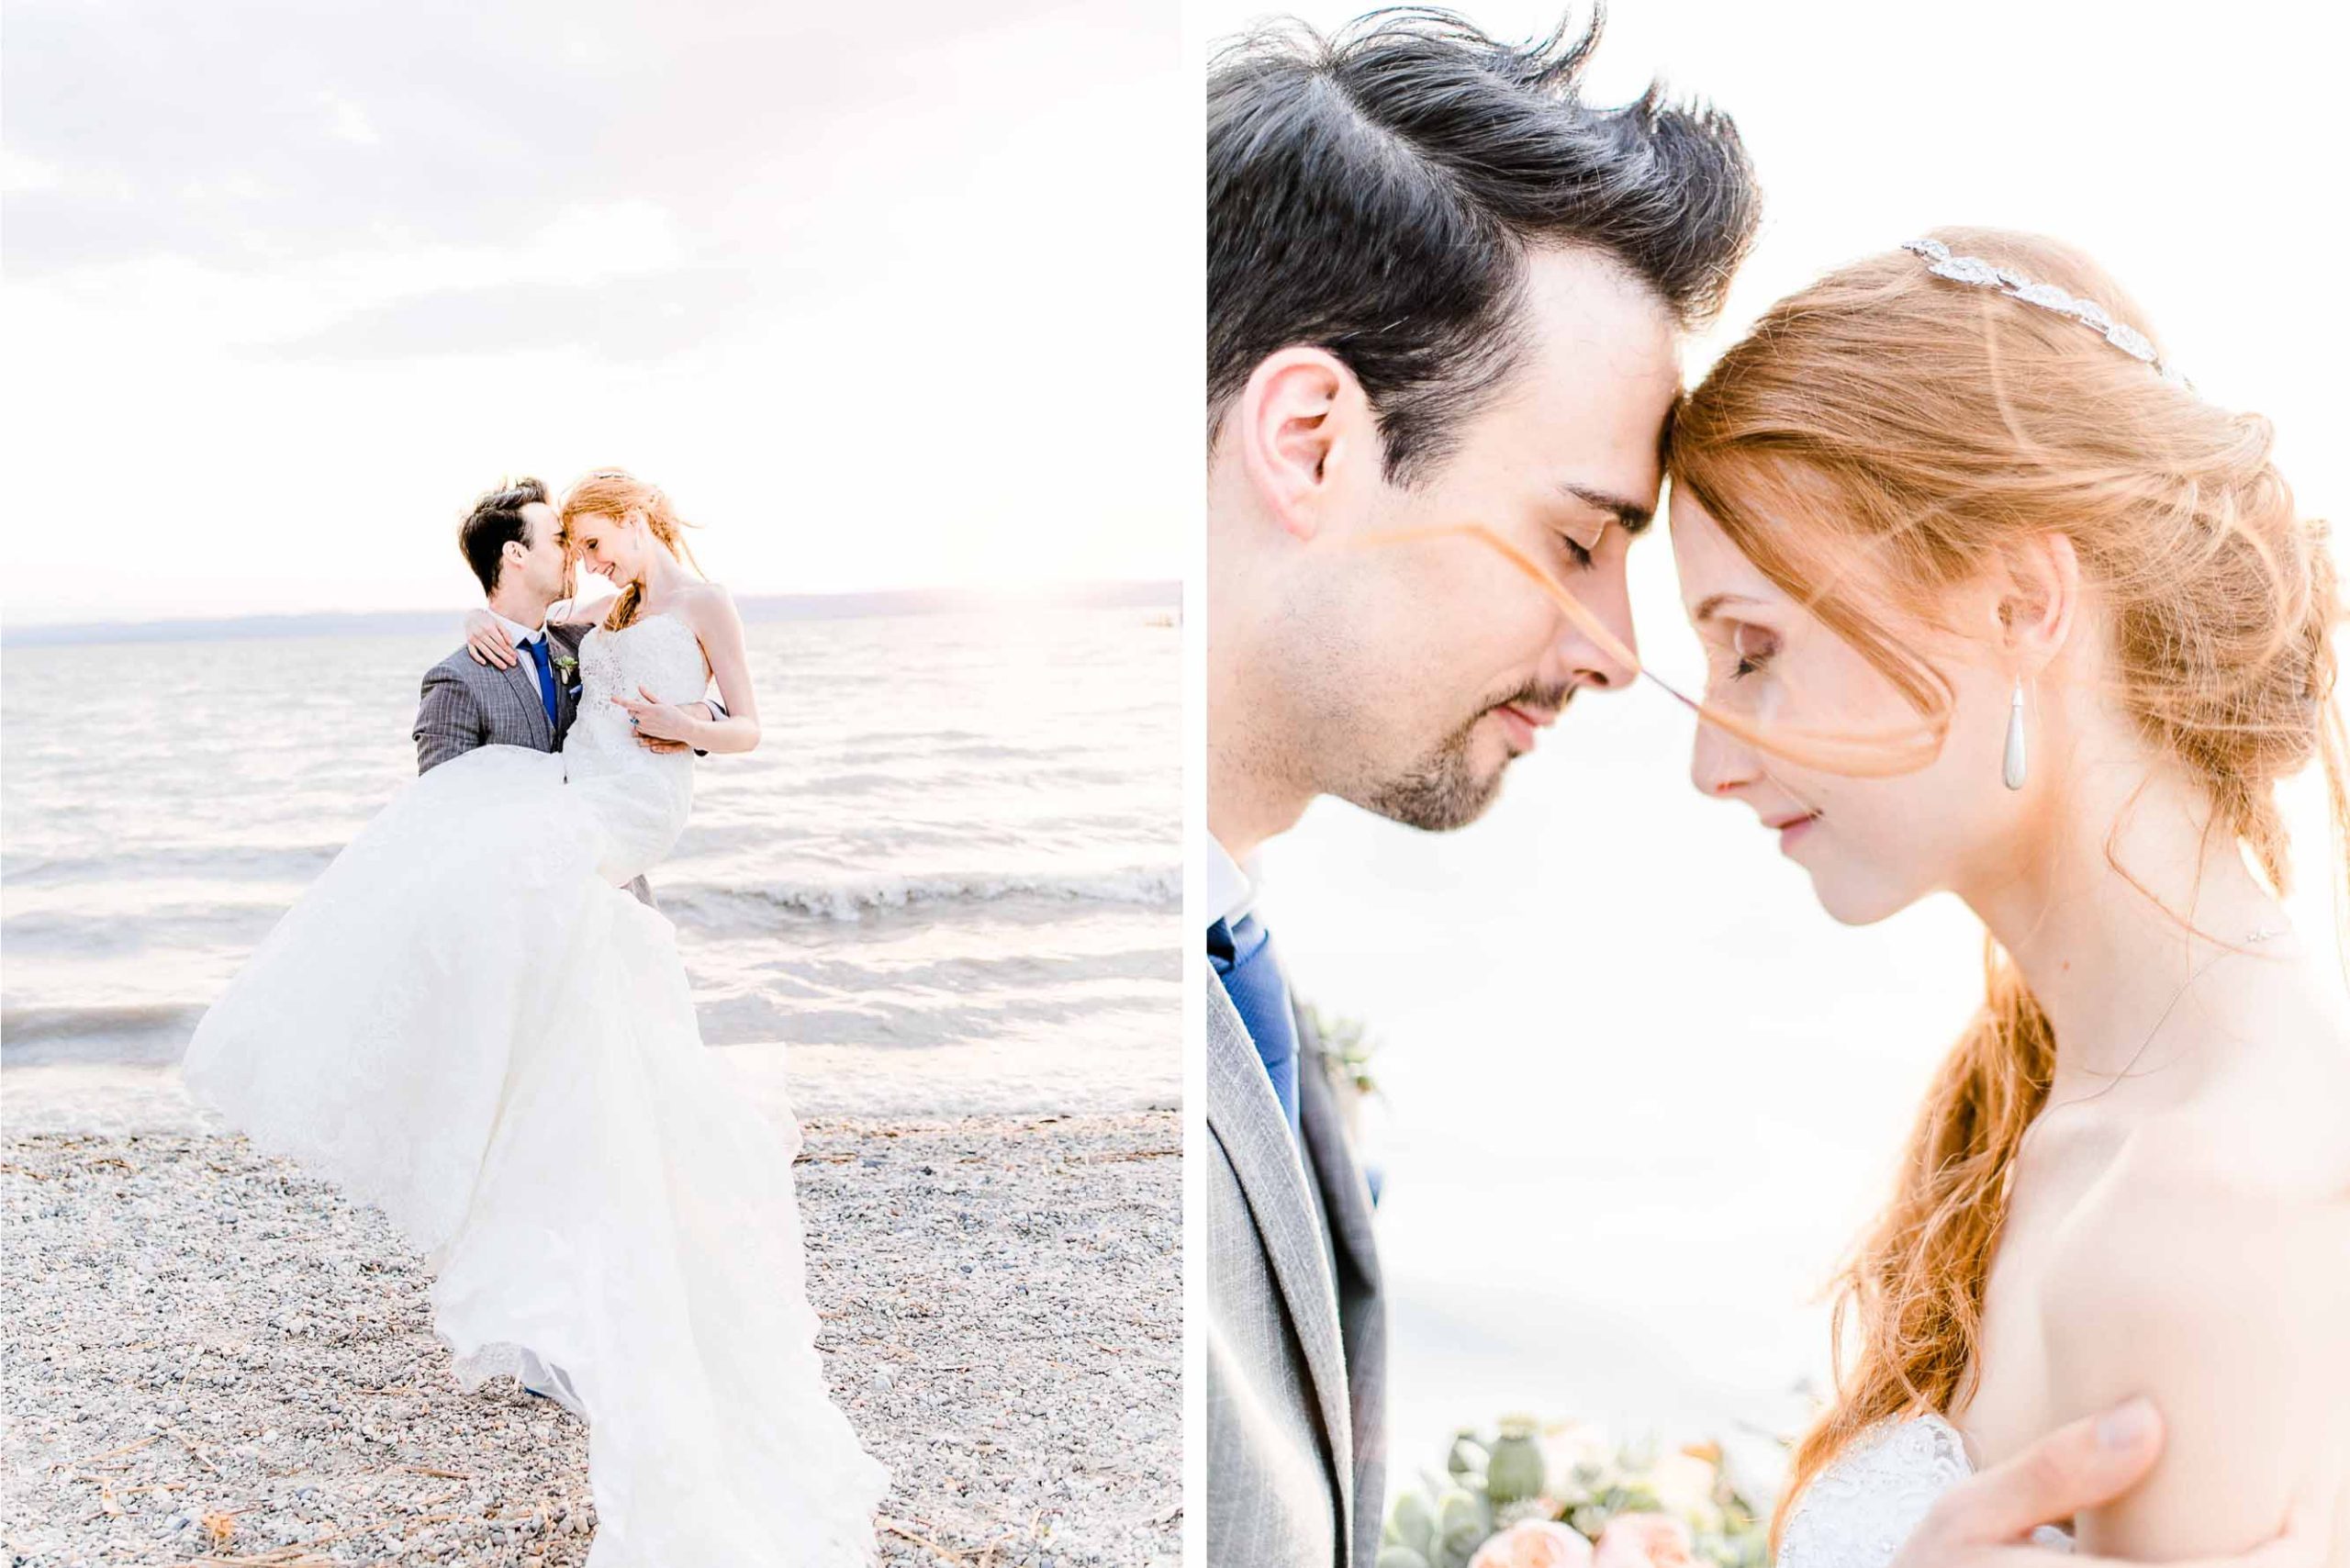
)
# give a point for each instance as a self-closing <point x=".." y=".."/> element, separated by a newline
<point x="568" y="668"/>
<point x="1346" y="1050"/>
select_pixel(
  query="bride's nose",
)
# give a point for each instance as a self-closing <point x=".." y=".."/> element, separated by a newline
<point x="1719" y="764"/>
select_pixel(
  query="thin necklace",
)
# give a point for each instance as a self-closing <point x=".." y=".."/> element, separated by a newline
<point x="2264" y="933"/>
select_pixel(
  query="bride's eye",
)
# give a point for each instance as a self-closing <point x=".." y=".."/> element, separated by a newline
<point x="1755" y="648"/>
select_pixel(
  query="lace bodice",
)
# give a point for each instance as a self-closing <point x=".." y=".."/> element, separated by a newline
<point x="659" y="652"/>
<point x="640" y="798"/>
<point x="1864" y="1507"/>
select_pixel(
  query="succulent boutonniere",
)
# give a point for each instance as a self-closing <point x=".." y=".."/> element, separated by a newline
<point x="1346" y="1050"/>
<point x="566" y="668"/>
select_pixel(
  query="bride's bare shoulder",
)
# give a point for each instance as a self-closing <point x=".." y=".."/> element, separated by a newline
<point x="2210" y="1268"/>
<point x="2276" y="1122"/>
<point x="706" y="604"/>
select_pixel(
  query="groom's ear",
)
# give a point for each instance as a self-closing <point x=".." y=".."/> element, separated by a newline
<point x="1304" y="426"/>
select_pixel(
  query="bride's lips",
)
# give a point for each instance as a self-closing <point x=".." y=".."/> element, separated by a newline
<point x="1792" y="829"/>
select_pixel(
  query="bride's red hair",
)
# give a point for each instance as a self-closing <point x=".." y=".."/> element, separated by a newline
<point x="1888" y="426"/>
<point x="616" y="494"/>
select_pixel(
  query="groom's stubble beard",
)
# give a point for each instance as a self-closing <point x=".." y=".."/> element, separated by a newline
<point x="564" y="586"/>
<point x="1443" y="791"/>
<point x="1328" y="717"/>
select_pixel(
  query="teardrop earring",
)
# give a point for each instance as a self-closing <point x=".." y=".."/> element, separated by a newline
<point x="2011" y="766"/>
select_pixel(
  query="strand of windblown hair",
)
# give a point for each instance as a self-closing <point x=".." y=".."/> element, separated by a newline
<point x="1884" y="755"/>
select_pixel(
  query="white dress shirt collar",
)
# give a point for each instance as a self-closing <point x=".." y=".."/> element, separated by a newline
<point x="515" y="631"/>
<point x="1230" y="890"/>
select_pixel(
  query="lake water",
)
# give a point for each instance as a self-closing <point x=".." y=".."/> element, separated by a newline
<point x="950" y="879"/>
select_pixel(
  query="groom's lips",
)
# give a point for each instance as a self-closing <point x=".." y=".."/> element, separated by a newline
<point x="1522" y="724"/>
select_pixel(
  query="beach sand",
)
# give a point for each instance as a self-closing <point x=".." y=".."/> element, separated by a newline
<point x="210" y="1356"/>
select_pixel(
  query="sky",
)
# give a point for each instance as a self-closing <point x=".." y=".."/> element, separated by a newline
<point x="891" y="296"/>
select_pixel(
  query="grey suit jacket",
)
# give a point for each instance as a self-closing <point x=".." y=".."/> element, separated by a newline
<point x="466" y="705"/>
<point x="1296" y="1326"/>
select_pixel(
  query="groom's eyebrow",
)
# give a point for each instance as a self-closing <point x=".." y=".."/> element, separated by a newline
<point x="1635" y="516"/>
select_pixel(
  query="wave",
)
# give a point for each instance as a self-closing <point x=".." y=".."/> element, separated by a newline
<point x="1156" y="887"/>
<point x="295" y="863"/>
<point x="150" y="1032"/>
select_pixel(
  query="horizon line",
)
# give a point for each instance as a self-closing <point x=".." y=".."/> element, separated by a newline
<point x="1106" y="594"/>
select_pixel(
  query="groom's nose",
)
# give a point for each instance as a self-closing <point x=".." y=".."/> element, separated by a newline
<point x="1606" y="593"/>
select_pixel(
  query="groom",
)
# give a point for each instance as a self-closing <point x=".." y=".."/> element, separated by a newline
<point x="1441" y="290"/>
<point x="512" y="539"/>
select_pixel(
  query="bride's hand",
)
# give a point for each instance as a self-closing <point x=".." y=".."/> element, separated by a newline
<point x="653" y="718"/>
<point x="487" y="641"/>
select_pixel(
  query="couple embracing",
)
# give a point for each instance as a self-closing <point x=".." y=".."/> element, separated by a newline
<point x="476" y="1020"/>
<point x="1992" y="602"/>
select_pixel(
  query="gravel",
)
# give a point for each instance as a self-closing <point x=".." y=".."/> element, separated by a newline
<point x="209" y="1356"/>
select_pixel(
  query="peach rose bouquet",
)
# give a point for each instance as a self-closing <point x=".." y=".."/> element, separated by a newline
<point x="1565" y="1497"/>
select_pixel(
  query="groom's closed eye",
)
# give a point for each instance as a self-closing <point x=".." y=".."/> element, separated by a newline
<point x="1630" y="515"/>
<point x="1582" y="526"/>
<point x="1580" y="533"/>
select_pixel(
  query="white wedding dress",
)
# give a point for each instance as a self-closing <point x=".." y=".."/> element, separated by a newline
<point x="1864" y="1506"/>
<point x="468" y="1024"/>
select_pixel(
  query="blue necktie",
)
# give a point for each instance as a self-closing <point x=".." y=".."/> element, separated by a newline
<point x="1242" y="956"/>
<point x="538" y="646"/>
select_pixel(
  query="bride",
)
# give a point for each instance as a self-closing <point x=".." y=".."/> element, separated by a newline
<point x="468" y="1024"/>
<point x="1995" y="604"/>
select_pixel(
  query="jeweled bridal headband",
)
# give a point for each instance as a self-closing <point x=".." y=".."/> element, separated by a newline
<point x="2047" y="295"/>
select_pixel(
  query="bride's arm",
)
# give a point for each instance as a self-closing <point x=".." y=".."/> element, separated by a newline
<point x="2229" y="1311"/>
<point x="734" y="727"/>
<point x="720" y="626"/>
<point x="485" y="639"/>
<point x="581" y="612"/>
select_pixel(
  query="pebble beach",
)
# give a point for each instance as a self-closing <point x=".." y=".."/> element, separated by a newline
<point x="208" y="1356"/>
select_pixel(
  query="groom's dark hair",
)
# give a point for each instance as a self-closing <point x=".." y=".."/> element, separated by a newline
<point x="1375" y="192"/>
<point x="496" y="519"/>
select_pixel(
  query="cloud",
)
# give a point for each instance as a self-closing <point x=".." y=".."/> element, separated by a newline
<point x="147" y="114"/>
<point x="20" y="174"/>
<point x="639" y="319"/>
<point x="253" y="135"/>
<point x="348" y="122"/>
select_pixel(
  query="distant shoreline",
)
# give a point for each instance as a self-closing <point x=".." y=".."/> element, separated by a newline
<point x="755" y="607"/>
